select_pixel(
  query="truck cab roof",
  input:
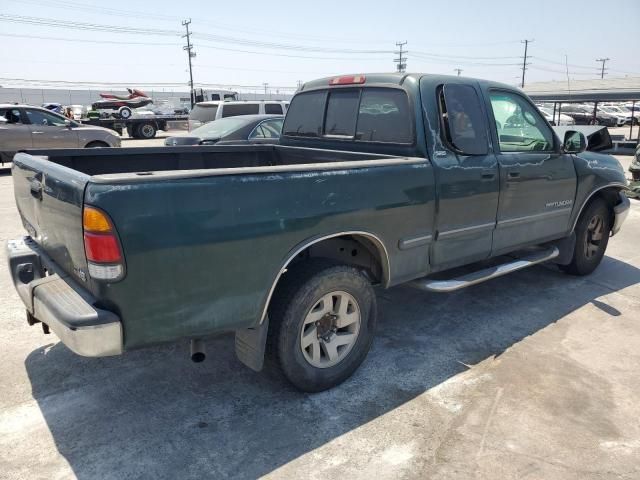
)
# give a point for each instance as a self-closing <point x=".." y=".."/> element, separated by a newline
<point x="392" y="79"/>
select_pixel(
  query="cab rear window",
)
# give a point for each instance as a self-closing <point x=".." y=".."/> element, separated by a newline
<point x="360" y="114"/>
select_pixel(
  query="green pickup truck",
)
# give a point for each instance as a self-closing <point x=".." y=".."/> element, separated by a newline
<point x="378" y="180"/>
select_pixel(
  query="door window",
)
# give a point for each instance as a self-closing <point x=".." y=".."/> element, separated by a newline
<point x="464" y="126"/>
<point x="235" y="109"/>
<point x="519" y="125"/>
<point x="267" y="129"/>
<point x="12" y="116"/>
<point x="37" y="117"/>
<point x="273" y="108"/>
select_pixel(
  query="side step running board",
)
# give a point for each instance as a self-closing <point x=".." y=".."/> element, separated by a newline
<point x="485" y="274"/>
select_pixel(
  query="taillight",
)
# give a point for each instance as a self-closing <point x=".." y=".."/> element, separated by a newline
<point x="101" y="246"/>
<point x="348" y="80"/>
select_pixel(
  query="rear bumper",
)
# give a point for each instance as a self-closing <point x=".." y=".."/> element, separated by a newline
<point x="55" y="299"/>
<point x="620" y="211"/>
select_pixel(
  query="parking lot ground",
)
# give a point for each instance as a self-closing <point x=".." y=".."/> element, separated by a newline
<point x="534" y="375"/>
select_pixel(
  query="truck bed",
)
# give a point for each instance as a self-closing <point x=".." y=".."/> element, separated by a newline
<point x="205" y="231"/>
<point x="164" y="159"/>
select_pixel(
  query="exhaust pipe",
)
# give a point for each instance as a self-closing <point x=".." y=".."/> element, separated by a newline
<point x="197" y="351"/>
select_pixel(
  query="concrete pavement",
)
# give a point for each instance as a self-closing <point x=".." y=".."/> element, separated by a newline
<point x="534" y="375"/>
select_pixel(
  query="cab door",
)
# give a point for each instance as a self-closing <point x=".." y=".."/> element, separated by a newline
<point x="537" y="180"/>
<point x="49" y="130"/>
<point x="466" y="172"/>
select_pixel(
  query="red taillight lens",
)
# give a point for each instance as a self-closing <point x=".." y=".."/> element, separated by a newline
<point x="101" y="248"/>
<point x="348" y="80"/>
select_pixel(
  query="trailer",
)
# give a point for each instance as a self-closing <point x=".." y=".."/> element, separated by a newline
<point x="138" y="127"/>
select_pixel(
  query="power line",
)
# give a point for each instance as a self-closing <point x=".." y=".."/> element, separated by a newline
<point x="162" y="32"/>
<point x="572" y="65"/>
<point x="89" y="40"/>
<point x="140" y="84"/>
<point x="74" y="6"/>
<point x="284" y="46"/>
<point x="95" y="27"/>
<point x="604" y="61"/>
<point x="153" y="44"/>
<point x="401" y="60"/>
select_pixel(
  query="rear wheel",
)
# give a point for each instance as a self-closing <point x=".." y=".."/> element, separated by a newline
<point x="146" y="130"/>
<point x="322" y="323"/>
<point x="592" y="236"/>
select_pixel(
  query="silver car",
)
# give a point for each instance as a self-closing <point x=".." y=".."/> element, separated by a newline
<point x="25" y="126"/>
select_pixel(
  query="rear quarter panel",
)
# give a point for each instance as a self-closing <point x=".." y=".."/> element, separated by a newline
<point x="202" y="253"/>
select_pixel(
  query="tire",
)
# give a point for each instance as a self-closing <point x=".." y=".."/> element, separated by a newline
<point x="96" y="144"/>
<point x="146" y="130"/>
<point x="592" y="236"/>
<point x="124" y="112"/>
<point x="306" y="340"/>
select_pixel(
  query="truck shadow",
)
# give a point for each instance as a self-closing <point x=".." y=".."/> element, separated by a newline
<point x="154" y="414"/>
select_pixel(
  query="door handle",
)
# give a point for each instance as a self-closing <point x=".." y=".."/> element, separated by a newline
<point x="36" y="189"/>
<point x="488" y="175"/>
<point x="36" y="132"/>
<point x="513" y="175"/>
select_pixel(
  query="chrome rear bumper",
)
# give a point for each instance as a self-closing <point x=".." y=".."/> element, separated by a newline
<point x="59" y="302"/>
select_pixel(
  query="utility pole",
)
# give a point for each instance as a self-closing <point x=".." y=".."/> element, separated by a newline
<point x="190" y="53"/>
<point x="604" y="61"/>
<point x="524" y="63"/>
<point x="299" y="84"/>
<point x="401" y="60"/>
<point x="458" y="70"/>
<point x="266" y="86"/>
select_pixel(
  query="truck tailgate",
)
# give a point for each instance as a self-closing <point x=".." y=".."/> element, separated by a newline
<point x="49" y="198"/>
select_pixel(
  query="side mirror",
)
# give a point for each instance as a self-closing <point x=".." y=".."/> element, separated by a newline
<point x="574" y="142"/>
<point x="68" y="124"/>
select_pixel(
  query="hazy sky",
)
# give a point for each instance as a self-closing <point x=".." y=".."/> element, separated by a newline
<point x="314" y="39"/>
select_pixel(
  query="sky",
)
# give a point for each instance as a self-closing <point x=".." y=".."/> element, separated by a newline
<point x="248" y="43"/>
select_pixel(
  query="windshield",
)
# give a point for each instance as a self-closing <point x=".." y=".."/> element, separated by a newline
<point x="220" y="128"/>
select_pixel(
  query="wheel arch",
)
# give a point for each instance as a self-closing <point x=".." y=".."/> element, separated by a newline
<point x="609" y="193"/>
<point x="366" y="239"/>
<point x="97" y="143"/>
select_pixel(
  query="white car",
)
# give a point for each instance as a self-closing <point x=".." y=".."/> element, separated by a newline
<point x="564" y="119"/>
<point x="205" y="112"/>
<point x="622" y="112"/>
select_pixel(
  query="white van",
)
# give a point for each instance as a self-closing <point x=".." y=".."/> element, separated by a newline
<point x="204" y="112"/>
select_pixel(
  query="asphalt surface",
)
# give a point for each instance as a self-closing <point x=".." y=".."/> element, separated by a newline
<point x="534" y="375"/>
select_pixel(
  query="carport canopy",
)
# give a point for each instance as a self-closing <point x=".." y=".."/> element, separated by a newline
<point x="625" y="89"/>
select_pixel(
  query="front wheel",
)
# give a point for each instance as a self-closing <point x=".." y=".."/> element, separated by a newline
<point x="322" y="323"/>
<point x="592" y="236"/>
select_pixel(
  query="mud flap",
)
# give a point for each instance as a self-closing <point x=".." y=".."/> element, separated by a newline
<point x="566" y="246"/>
<point x="251" y="344"/>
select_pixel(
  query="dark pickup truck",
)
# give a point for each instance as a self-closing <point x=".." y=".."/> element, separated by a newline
<point x="379" y="180"/>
